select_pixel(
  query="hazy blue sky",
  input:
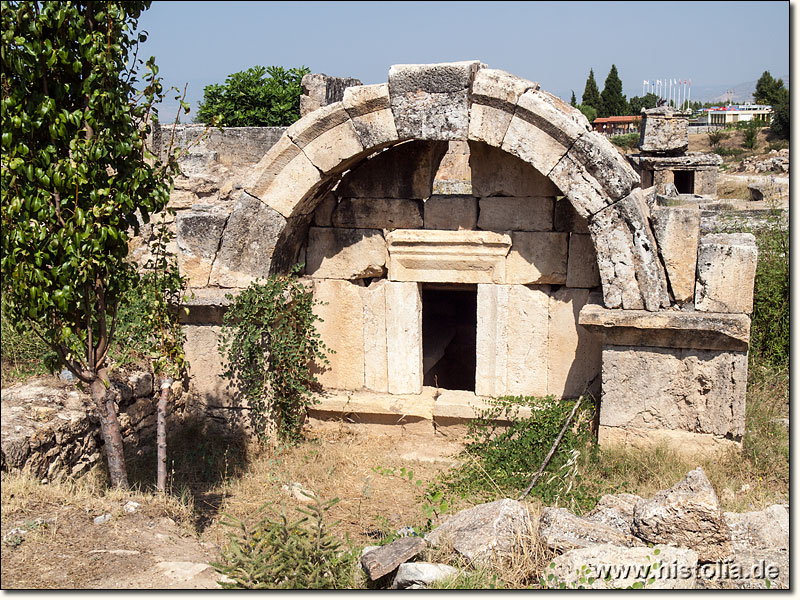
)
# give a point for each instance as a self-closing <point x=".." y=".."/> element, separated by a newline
<point x="555" y="43"/>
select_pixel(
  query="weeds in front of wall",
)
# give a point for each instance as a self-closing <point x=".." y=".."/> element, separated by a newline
<point x="505" y="449"/>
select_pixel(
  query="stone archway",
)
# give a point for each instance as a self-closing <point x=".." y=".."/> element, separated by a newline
<point x="467" y="101"/>
<point x="666" y="373"/>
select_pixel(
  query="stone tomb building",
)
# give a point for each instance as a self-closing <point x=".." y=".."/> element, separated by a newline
<point x="470" y="236"/>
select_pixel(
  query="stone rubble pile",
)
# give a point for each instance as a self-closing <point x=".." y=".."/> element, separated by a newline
<point x="678" y="539"/>
<point x="50" y="429"/>
<point x="776" y="162"/>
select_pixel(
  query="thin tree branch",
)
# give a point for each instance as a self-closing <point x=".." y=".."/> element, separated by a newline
<point x="552" y="450"/>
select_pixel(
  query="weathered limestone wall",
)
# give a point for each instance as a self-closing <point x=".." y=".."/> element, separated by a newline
<point x="511" y="235"/>
<point x="464" y="175"/>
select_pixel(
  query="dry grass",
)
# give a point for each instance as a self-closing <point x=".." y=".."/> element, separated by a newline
<point x="24" y="495"/>
<point x="336" y="465"/>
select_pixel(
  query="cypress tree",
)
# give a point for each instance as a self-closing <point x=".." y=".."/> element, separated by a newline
<point x="573" y="101"/>
<point x="591" y="95"/>
<point x="613" y="100"/>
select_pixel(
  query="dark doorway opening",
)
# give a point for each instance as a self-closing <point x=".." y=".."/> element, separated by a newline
<point x="684" y="182"/>
<point x="449" y="333"/>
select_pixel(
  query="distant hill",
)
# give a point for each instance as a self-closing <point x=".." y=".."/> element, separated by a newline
<point x="738" y="93"/>
<point x="741" y="92"/>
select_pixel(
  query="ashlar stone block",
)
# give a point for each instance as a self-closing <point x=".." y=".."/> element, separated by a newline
<point x="700" y="391"/>
<point x="543" y="129"/>
<point x="494" y="98"/>
<point x="376" y="370"/>
<point x="527" y="339"/>
<point x="429" y="255"/>
<point x="726" y="270"/>
<point x="566" y="218"/>
<point x="677" y="231"/>
<point x="378" y="213"/>
<point x="327" y="137"/>
<point x="582" y="263"/>
<point x="338" y="253"/>
<point x="198" y="238"/>
<point x="517" y="214"/>
<point x="370" y="110"/>
<point x="492" y="340"/>
<point x="664" y="131"/>
<point x="341" y="328"/>
<point x="574" y="354"/>
<point x="537" y="257"/>
<point x="283" y="178"/>
<point x="605" y="164"/>
<point x="498" y="173"/>
<point x="404" y="337"/>
<point x="451" y="211"/>
<point x="431" y="101"/>
<point x="248" y="243"/>
<point x="403" y="171"/>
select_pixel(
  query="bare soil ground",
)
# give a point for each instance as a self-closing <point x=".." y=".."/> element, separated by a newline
<point x="169" y="543"/>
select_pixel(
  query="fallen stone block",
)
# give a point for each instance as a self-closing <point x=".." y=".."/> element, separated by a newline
<point x="485" y="531"/>
<point x="604" y="566"/>
<point x="562" y="531"/>
<point x="419" y="575"/>
<point x="386" y="559"/>
<point x="615" y="510"/>
<point x="686" y="515"/>
<point x="677" y="232"/>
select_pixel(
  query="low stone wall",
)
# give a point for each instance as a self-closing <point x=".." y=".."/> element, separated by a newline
<point x="50" y="429"/>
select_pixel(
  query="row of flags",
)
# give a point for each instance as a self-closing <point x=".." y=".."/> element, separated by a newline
<point x="675" y="91"/>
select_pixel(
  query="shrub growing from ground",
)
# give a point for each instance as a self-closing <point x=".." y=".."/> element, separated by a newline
<point x="279" y="554"/>
<point x="627" y="141"/>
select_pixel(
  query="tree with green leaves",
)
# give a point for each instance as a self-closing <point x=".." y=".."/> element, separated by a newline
<point x="637" y="103"/>
<point x="573" y="101"/>
<point x="614" y="102"/>
<point x="75" y="172"/>
<point x="591" y="95"/>
<point x="780" y="116"/>
<point x="590" y="112"/>
<point x="768" y="89"/>
<point x="257" y="97"/>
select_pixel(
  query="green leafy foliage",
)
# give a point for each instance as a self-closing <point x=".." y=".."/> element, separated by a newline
<point x="769" y="331"/>
<point x="269" y="342"/>
<point x="626" y="141"/>
<point x="591" y="95"/>
<point x="572" y="100"/>
<point x="257" y="97"/>
<point x="74" y="168"/>
<point x="504" y="450"/>
<point x="588" y="111"/>
<point x="614" y="103"/>
<point x="751" y="129"/>
<point x="780" y="116"/>
<point x="637" y="103"/>
<point x="768" y="89"/>
<point x="279" y="554"/>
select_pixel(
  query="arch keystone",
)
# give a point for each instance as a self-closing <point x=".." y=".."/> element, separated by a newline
<point x="431" y="102"/>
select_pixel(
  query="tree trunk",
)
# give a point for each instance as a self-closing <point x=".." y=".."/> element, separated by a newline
<point x="161" y="436"/>
<point x="109" y="427"/>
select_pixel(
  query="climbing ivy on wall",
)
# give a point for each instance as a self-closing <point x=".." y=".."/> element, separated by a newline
<point x="269" y="342"/>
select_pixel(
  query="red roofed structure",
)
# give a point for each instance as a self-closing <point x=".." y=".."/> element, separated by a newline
<point x="617" y="125"/>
